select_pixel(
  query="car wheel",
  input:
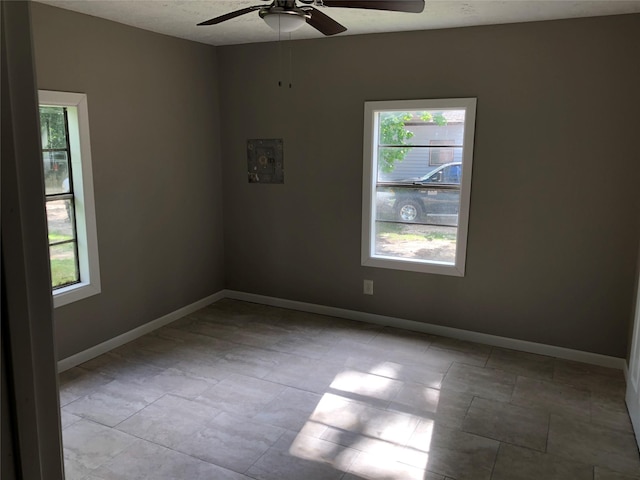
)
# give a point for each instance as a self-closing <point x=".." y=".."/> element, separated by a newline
<point x="408" y="211"/>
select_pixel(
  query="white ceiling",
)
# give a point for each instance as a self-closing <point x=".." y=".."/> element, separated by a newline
<point x="178" y="18"/>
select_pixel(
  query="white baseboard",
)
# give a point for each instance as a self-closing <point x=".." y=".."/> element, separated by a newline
<point x="104" y="347"/>
<point x="493" y="340"/>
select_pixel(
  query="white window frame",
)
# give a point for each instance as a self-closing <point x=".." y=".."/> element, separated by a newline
<point x="87" y="237"/>
<point x="370" y="169"/>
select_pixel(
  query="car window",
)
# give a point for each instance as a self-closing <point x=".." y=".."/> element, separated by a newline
<point x="435" y="178"/>
<point x="452" y="174"/>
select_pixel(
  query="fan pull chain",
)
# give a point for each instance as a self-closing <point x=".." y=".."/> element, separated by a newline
<point x="290" y="62"/>
<point x="279" y="55"/>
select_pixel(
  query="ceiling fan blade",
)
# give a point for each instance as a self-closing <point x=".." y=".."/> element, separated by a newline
<point x="229" y="16"/>
<point x="323" y="23"/>
<point x="409" y="6"/>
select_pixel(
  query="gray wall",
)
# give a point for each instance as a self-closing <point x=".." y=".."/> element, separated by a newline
<point x="553" y="236"/>
<point x="153" y="113"/>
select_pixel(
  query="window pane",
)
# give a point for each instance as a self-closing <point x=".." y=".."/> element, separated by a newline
<point x="56" y="172"/>
<point x="442" y="155"/>
<point x="414" y="164"/>
<point x="420" y="127"/>
<point x="432" y="206"/>
<point x="60" y="221"/>
<point x="416" y="241"/>
<point x="415" y="158"/>
<point x="64" y="264"/>
<point x="52" y="127"/>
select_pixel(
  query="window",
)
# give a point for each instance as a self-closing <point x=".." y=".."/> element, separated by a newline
<point x="418" y="222"/>
<point x="66" y="155"/>
<point x="442" y="155"/>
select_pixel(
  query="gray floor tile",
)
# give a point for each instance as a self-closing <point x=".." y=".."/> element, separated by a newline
<point x="305" y="374"/>
<point x="450" y="452"/>
<point x="147" y="461"/>
<point x="240" y="391"/>
<point x="67" y="419"/>
<point x="241" y="395"/>
<point x="301" y="345"/>
<point x="397" y="338"/>
<point x="522" y="363"/>
<point x="121" y="368"/>
<point x="78" y="382"/>
<point x="88" y="445"/>
<point x="375" y="467"/>
<point x="507" y="423"/>
<point x="517" y="463"/>
<point x="230" y="442"/>
<point x="611" y="418"/>
<point x="459" y="351"/>
<point x="253" y="361"/>
<point x="255" y="335"/>
<point x="358" y="385"/>
<point x="361" y="426"/>
<point x="196" y="341"/>
<point x="552" y="397"/>
<point x="291" y="409"/>
<point x="346" y="348"/>
<point x="423" y="374"/>
<point x="114" y="402"/>
<point x="401" y="346"/>
<point x="610" y="410"/>
<point x="604" y="474"/>
<point x="381" y="475"/>
<point x="154" y="351"/>
<point x="168" y="420"/>
<point x="298" y="456"/>
<point x="593" y="377"/>
<point x="207" y="369"/>
<point x="179" y="383"/>
<point x="593" y="444"/>
<point x="444" y="407"/>
<point x="483" y="382"/>
<point x="355" y="332"/>
<point x="305" y="323"/>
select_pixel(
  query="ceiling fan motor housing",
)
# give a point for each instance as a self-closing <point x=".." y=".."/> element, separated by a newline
<point x="284" y="19"/>
<point x="287" y="16"/>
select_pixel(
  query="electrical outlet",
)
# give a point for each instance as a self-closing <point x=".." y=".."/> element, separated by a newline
<point x="368" y="287"/>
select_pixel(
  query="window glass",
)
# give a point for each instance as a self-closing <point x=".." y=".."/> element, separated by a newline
<point x="61" y="225"/>
<point x="416" y="199"/>
<point x="71" y="222"/>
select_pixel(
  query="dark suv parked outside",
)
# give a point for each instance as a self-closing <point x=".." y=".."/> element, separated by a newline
<point x="432" y="198"/>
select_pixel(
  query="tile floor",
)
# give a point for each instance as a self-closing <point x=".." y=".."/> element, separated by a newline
<point x="240" y="391"/>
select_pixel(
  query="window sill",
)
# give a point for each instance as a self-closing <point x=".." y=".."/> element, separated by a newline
<point x="395" y="263"/>
<point x="73" y="293"/>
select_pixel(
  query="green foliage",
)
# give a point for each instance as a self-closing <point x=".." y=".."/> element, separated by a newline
<point x="63" y="271"/>
<point x="59" y="237"/>
<point x="63" y="265"/>
<point x="398" y="232"/>
<point x="52" y="127"/>
<point x="393" y="131"/>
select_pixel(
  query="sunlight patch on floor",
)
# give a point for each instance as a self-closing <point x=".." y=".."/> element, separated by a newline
<point x="351" y="430"/>
<point x="366" y="384"/>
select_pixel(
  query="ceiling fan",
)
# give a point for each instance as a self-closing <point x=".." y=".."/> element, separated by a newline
<point x="287" y="15"/>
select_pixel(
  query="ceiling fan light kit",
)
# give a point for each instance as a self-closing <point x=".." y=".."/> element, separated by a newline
<point x="287" y="16"/>
<point x="284" y="20"/>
